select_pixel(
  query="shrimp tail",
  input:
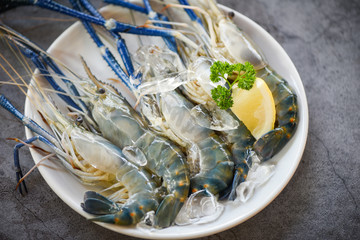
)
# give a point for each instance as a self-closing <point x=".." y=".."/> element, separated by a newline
<point x="96" y="203"/>
<point x="132" y="212"/>
<point x="166" y="211"/>
<point x="240" y="176"/>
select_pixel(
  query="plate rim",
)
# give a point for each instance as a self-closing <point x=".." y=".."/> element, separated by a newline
<point x="304" y="121"/>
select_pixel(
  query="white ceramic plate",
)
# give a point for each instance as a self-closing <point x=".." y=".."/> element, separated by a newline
<point x="75" y="41"/>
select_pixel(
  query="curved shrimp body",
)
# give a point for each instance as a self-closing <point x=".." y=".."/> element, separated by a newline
<point x="105" y="156"/>
<point x="240" y="141"/>
<point x="88" y="149"/>
<point x="241" y="49"/>
<point x="166" y="160"/>
<point x="216" y="167"/>
<point x="120" y="124"/>
<point x="286" y="115"/>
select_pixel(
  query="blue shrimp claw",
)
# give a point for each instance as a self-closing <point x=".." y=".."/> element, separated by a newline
<point x="43" y="136"/>
<point x="18" y="170"/>
<point x="106" y="54"/>
<point x="42" y="60"/>
<point x="170" y="41"/>
<point x="128" y="5"/>
<point x="190" y="12"/>
<point x="33" y="55"/>
<point x="29" y="123"/>
<point x="110" y="24"/>
<point x="121" y="46"/>
<point x="96" y="203"/>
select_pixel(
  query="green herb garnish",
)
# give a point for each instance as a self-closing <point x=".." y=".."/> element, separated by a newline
<point x="241" y="74"/>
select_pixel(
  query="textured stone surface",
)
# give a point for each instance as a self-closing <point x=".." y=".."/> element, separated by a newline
<point x="322" y="199"/>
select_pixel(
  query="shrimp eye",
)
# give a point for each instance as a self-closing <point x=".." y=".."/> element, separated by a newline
<point x="231" y="15"/>
<point x="101" y="91"/>
<point x="79" y="119"/>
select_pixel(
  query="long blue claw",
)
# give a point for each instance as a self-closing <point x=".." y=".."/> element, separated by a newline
<point x="26" y="43"/>
<point x="18" y="170"/>
<point x="169" y="41"/>
<point x="73" y="90"/>
<point x="33" y="126"/>
<point x="125" y="56"/>
<point x="127" y="5"/>
<point x="120" y="43"/>
<point x="35" y="58"/>
<point x="105" y="52"/>
<point x="190" y="12"/>
<point x="110" y="24"/>
<point x="134" y="7"/>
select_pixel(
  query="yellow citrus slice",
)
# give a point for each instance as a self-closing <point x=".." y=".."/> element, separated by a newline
<point x="255" y="108"/>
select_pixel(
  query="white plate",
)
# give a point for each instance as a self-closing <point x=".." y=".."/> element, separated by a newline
<point x="75" y="41"/>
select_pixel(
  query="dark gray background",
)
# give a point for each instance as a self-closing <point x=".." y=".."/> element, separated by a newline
<point x="322" y="199"/>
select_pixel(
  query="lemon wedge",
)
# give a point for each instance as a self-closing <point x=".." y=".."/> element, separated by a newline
<point x="255" y="108"/>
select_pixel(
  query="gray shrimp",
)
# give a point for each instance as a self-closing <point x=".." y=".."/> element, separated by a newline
<point x="122" y="125"/>
<point x="170" y="114"/>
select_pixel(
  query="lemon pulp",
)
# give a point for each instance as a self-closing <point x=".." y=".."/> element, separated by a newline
<point x="255" y="108"/>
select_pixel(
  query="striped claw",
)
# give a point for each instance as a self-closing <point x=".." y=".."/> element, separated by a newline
<point x="128" y="5"/>
<point x="109" y="24"/>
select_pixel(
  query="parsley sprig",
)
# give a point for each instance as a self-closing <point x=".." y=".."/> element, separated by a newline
<point x="241" y="74"/>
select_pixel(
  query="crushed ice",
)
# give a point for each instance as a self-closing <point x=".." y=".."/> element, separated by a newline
<point x="160" y="71"/>
<point x="258" y="175"/>
<point x="218" y="120"/>
<point x="201" y="207"/>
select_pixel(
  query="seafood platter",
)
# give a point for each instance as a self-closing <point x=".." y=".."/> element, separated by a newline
<point x="159" y="119"/>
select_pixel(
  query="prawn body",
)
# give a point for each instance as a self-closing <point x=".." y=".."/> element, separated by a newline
<point x="105" y="156"/>
<point x="285" y="100"/>
<point x="122" y="125"/>
<point x="242" y="50"/>
<point x="286" y="115"/>
<point x="88" y="151"/>
<point x="215" y="165"/>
